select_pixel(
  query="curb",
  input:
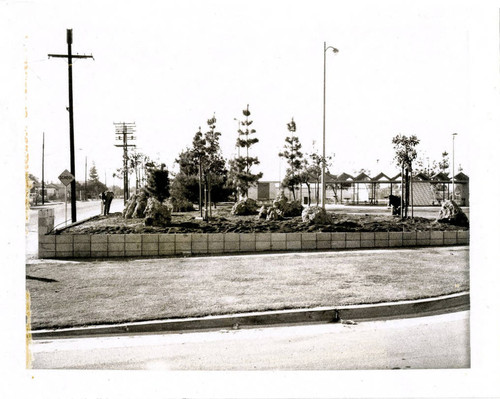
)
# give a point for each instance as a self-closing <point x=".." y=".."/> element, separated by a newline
<point x="387" y="310"/>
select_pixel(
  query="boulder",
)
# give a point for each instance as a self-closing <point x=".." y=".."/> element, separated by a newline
<point x="156" y="213"/>
<point x="451" y="213"/>
<point x="274" y="213"/>
<point x="262" y="212"/>
<point x="287" y="208"/>
<point x="247" y="206"/>
<point x="140" y="206"/>
<point x="129" y="207"/>
<point x="280" y="201"/>
<point x="316" y="215"/>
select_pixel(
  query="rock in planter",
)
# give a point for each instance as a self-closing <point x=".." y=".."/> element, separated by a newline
<point x="246" y="206"/>
<point x="140" y="207"/>
<point x="451" y="213"/>
<point x="262" y="212"/>
<point x="130" y="207"/>
<point x="316" y="215"/>
<point x="280" y="201"/>
<point x="156" y="213"/>
<point x="135" y="206"/>
<point x="274" y="213"/>
<point x="288" y="209"/>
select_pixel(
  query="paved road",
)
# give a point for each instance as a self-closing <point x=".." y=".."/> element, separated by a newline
<point x="419" y="343"/>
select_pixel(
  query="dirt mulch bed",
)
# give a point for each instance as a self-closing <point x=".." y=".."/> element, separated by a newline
<point x="224" y="222"/>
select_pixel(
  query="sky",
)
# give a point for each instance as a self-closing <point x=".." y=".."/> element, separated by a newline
<point x="402" y="68"/>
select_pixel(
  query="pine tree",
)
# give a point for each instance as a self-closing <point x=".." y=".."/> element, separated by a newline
<point x="93" y="175"/>
<point x="214" y="164"/>
<point x="240" y="167"/>
<point x="94" y="186"/>
<point x="294" y="158"/>
<point x="158" y="183"/>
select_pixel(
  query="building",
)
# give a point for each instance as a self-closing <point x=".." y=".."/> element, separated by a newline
<point x="365" y="190"/>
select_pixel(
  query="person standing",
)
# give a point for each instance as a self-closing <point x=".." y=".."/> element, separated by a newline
<point x="108" y="198"/>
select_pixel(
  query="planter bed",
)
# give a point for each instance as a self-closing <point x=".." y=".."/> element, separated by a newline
<point x="113" y="236"/>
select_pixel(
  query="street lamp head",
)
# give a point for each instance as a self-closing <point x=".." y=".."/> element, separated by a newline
<point x="335" y="50"/>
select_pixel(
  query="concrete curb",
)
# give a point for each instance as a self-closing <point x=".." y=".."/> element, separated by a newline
<point x="414" y="308"/>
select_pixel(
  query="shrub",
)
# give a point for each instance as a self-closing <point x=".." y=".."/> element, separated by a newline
<point x="292" y="208"/>
<point x="181" y="205"/>
<point x="158" y="184"/>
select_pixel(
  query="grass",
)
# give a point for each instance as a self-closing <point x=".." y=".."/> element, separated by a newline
<point x="78" y="293"/>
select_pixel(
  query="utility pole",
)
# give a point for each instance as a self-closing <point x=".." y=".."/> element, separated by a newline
<point x="70" y="56"/>
<point x="124" y="132"/>
<point x="43" y="169"/>
<point x="86" y="198"/>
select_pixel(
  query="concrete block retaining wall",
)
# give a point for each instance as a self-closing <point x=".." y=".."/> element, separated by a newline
<point x="137" y="245"/>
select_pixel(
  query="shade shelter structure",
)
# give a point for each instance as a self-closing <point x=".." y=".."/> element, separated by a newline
<point x="365" y="190"/>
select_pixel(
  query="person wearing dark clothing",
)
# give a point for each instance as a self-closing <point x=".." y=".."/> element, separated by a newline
<point x="106" y="198"/>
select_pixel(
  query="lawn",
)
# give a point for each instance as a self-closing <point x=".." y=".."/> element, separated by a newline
<point x="77" y="293"/>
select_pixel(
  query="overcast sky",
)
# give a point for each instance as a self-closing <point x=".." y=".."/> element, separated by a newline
<point x="401" y="68"/>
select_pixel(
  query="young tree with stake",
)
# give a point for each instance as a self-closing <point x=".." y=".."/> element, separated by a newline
<point x="405" y="155"/>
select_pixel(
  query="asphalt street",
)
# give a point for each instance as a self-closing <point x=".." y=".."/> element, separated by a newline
<point x="433" y="342"/>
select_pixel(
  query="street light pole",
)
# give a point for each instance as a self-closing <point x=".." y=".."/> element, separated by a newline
<point x="323" y="188"/>
<point x="453" y="169"/>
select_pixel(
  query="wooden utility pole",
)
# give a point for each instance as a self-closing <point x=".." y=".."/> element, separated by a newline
<point x="122" y="132"/>
<point x="70" y="56"/>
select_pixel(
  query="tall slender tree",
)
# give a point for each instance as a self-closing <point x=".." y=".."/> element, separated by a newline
<point x="313" y="171"/>
<point x="214" y="164"/>
<point x="240" y="167"/>
<point x="294" y="157"/>
<point x="405" y="155"/>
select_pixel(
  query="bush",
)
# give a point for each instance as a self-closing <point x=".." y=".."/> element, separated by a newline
<point x="293" y="208"/>
<point x="158" y="184"/>
<point x="181" y="205"/>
